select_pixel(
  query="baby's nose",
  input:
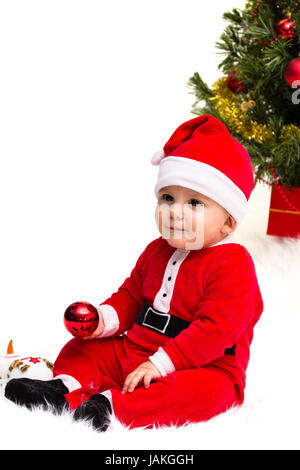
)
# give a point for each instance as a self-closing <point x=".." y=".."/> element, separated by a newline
<point x="177" y="211"/>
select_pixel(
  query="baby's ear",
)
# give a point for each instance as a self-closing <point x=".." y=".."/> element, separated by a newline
<point x="231" y="223"/>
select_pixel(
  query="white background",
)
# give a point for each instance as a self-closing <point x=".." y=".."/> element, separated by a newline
<point x="89" y="91"/>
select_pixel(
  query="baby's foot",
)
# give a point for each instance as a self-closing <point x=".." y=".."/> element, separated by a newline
<point x="96" y="409"/>
<point x="50" y="394"/>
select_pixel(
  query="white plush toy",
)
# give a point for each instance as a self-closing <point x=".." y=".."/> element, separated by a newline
<point x="13" y="366"/>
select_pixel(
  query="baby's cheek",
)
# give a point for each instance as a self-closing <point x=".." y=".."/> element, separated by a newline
<point x="195" y="220"/>
<point x="162" y="217"/>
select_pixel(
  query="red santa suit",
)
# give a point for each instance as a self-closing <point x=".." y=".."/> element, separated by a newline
<point x="189" y="311"/>
<point x="215" y="291"/>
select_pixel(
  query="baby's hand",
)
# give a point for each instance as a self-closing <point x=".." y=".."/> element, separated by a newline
<point x="146" y="371"/>
<point x="99" y="328"/>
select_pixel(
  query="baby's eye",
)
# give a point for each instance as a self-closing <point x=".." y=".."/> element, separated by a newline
<point x="195" y="202"/>
<point x="167" y="197"/>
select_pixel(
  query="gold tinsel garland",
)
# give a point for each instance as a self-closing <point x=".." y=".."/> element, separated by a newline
<point x="286" y="130"/>
<point x="227" y="105"/>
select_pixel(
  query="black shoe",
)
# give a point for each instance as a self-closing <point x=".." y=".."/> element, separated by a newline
<point x="50" y="394"/>
<point x="96" y="409"/>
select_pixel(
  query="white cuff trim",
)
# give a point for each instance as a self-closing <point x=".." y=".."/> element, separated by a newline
<point x="110" y="318"/>
<point x="69" y="381"/>
<point x="162" y="361"/>
<point x="107" y="394"/>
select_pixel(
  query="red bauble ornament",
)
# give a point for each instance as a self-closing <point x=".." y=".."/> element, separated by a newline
<point x="292" y="71"/>
<point x="234" y="85"/>
<point x="81" y="319"/>
<point x="286" y="29"/>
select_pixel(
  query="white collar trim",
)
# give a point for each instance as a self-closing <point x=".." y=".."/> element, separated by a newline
<point x="228" y="239"/>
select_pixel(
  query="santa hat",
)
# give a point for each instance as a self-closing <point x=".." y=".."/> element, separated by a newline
<point x="203" y="156"/>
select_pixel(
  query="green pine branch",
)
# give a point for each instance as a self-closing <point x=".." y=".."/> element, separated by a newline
<point x="250" y="48"/>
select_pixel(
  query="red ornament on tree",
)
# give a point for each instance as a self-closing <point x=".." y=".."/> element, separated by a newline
<point x="286" y="29"/>
<point x="292" y="72"/>
<point x="81" y="319"/>
<point x="234" y="85"/>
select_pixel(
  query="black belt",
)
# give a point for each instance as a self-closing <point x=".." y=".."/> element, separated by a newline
<point x="165" y="323"/>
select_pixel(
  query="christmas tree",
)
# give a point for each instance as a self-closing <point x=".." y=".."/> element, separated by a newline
<point x="258" y="96"/>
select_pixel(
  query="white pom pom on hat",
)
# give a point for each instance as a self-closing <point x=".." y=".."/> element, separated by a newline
<point x="157" y="157"/>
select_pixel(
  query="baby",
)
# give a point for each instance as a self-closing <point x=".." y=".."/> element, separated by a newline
<point x="172" y="344"/>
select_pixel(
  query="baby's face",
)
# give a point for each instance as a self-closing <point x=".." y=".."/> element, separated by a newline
<point x="189" y="220"/>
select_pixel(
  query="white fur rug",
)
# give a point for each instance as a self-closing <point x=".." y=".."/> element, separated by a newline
<point x="269" y="418"/>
